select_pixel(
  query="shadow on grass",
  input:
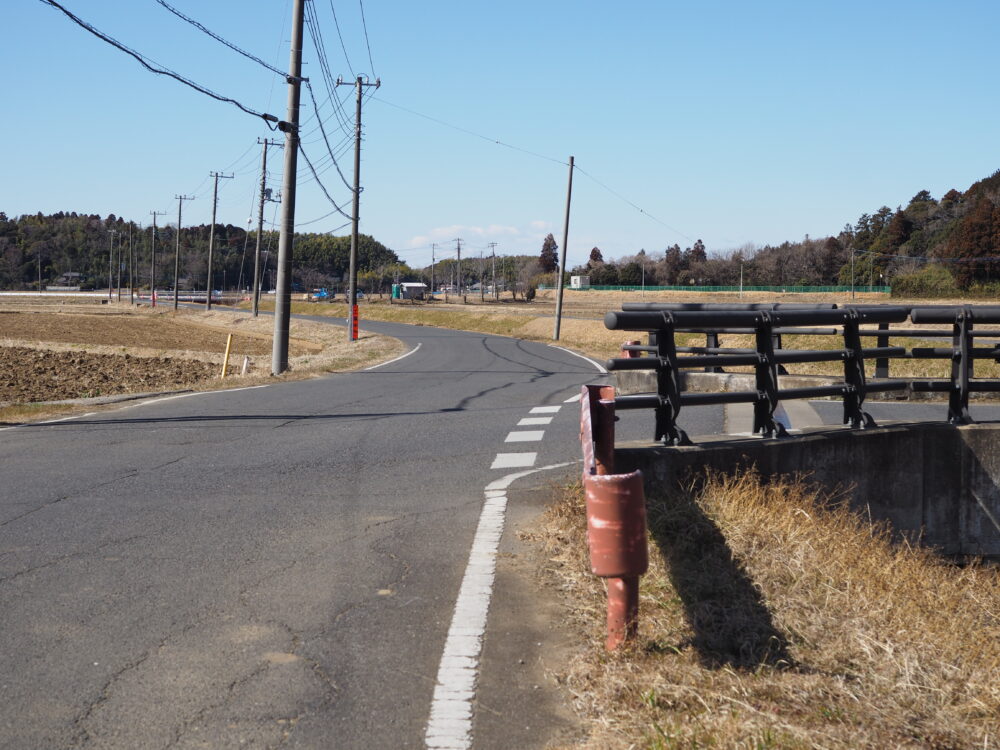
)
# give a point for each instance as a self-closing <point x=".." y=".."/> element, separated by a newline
<point x="732" y="625"/>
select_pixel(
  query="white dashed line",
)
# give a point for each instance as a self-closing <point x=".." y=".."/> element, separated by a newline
<point x="545" y="409"/>
<point x="573" y="399"/>
<point x="534" y="421"/>
<point x="525" y="436"/>
<point x="450" y="723"/>
<point x="514" y="460"/>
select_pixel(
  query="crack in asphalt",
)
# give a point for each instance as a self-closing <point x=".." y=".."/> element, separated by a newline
<point x="72" y="556"/>
<point x="131" y="474"/>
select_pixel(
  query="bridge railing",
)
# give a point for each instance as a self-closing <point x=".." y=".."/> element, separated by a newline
<point x="768" y="323"/>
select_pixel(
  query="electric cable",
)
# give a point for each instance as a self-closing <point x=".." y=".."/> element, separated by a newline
<point x="218" y="38"/>
<point x="148" y="64"/>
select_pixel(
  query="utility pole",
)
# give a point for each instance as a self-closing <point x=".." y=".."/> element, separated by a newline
<point x="482" y="278"/>
<point x="493" y="257"/>
<point x="211" y="234"/>
<point x="562" y="260"/>
<point x="360" y="83"/>
<point x="152" y="260"/>
<point x="118" y="284"/>
<point x="433" y="248"/>
<point x="177" y="245"/>
<point x="131" y="267"/>
<point x="458" y="245"/>
<point x="264" y="193"/>
<point x="111" y="260"/>
<point x="283" y="287"/>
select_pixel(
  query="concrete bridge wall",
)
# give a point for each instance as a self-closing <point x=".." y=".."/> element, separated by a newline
<point x="933" y="481"/>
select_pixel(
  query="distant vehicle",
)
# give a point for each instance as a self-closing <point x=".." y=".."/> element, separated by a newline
<point x="321" y="295"/>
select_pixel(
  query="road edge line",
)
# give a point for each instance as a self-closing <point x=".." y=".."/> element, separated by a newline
<point x="594" y="362"/>
<point x="402" y="356"/>
<point x="450" y="722"/>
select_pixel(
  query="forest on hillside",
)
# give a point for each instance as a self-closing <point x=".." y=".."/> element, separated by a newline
<point x="930" y="246"/>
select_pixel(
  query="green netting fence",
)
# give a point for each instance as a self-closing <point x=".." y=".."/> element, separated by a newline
<point x="737" y="289"/>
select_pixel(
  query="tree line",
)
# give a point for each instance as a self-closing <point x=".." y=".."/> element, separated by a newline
<point x="929" y="246"/>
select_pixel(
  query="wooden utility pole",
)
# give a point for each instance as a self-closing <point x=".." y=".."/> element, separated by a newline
<point x="352" y="303"/>
<point x="211" y="234"/>
<point x="562" y="260"/>
<point x="283" y="286"/>
<point x="177" y="244"/>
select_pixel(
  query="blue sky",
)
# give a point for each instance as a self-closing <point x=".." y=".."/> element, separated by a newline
<point x="733" y="122"/>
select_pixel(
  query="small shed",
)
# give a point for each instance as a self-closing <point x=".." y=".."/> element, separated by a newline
<point x="579" y="282"/>
<point x="412" y="290"/>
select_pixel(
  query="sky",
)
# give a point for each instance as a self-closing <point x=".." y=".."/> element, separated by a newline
<point x="728" y="121"/>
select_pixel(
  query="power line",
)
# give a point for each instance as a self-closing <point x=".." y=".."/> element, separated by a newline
<point x="637" y="208"/>
<point x="146" y="63"/>
<point x="342" y="46"/>
<point x="470" y="132"/>
<point x="321" y="186"/>
<point x="218" y="38"/>
<point x="319" y="120"/>
<point x="365" y="27"/>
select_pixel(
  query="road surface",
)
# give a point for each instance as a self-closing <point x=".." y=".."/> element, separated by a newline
<point x="282" y="565"/>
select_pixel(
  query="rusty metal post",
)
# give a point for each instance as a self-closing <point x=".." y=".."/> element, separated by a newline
<point x="627" y="353"/>
<point x="616" y="535"/>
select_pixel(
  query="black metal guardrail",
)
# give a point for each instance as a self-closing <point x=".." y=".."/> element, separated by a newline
<point x="768" y="323"/>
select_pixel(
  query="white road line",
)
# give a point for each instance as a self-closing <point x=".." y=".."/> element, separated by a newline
<point x="545" y="410"/>
<point x="450" y="724"/>
<point x="533" y="421"/>
<point x="577" y="354"/>
<point x="402" y="356"/>
<point x="525" y="436"/>
<point x="573" y="399"/>
<point x="514" y="460"/>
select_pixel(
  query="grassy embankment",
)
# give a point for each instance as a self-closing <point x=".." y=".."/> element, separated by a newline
<point x="771" y="619"/>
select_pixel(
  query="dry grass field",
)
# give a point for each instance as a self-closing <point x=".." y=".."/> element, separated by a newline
<point x="53" y="351"/>
<point x="771" y="618"/>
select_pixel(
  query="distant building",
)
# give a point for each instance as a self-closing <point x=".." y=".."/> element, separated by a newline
<point x="412" y="290"/>
<point x="579" y="282"/>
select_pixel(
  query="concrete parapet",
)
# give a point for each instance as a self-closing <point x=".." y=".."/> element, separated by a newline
<point x="933" y="481"/>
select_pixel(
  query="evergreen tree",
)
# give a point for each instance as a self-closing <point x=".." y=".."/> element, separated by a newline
<point x="549" y="259"/>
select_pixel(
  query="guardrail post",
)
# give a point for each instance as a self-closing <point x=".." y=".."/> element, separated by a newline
<point x="961" y="368"/>
<point x="616" y="536"/>
<point x="882" y="363"/>
<point x="597" y="429"/>
<point x="766" y="375"/>
<point x="854" y="376"/>
<point x="668" y="386"/>
<point x="712" y="342"/>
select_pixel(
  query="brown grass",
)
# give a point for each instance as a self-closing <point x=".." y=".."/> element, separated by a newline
<point x="772" y="619"/>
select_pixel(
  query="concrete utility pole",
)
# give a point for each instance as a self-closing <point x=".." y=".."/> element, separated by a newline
<point x="152" y="260"/>
<point x="458" y="246"/>
<point x="211" y="234"/>
<point x="562" y="260"/>
<point x="433" y="248"/>
<point x="493" y="257"/>
<point x="118" y="283"/>
<point x="352" y="304"/>
<point x="283" y="286"/>
<point x="111" y="260"/>
<point x="177" y="245"/>
<point x="131" y="267"/>
<point x="264" y="193"/>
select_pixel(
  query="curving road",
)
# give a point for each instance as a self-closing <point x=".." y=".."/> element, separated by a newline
<point x="277" y="566"/>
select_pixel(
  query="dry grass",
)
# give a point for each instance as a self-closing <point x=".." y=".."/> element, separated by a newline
<point x="772" y="619"/>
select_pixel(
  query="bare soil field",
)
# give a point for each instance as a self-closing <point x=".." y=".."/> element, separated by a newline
<point x="59" y="351"/>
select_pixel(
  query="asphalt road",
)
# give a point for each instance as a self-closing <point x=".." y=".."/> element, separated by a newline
<point x="276" y="566"/>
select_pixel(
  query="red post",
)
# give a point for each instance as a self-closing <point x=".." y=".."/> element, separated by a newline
<point x="354" y="322"/>
<point x="616" y="535"/>
<point x="628" y="354"/>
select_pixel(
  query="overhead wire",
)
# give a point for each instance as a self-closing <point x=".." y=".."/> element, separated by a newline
<point x="342" y="45"/>
<point x="218" y="38"/>
<point x="153" y="67"/>
<point x="321" y="186"/>
<point x="364" y="25"/>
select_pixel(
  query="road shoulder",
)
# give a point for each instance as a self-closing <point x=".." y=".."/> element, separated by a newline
<point x="520" y="702"/>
